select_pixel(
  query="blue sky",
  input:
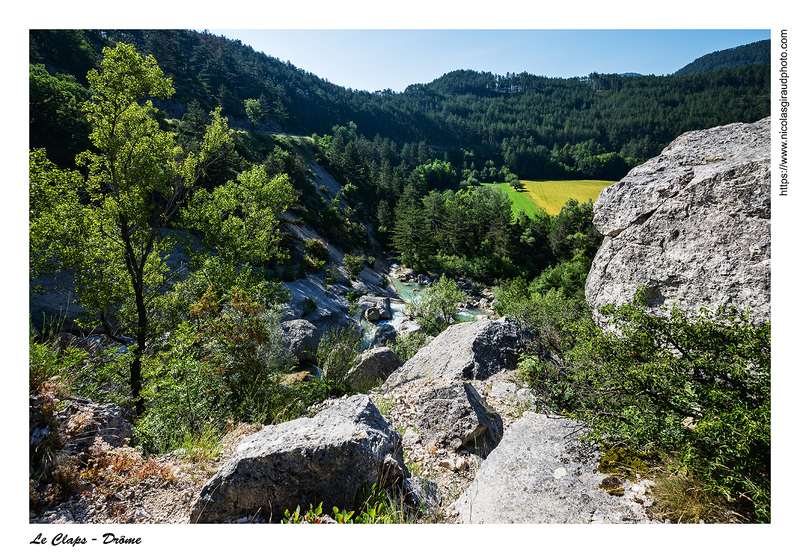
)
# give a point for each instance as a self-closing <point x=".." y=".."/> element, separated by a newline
<point x="365" y="59"/>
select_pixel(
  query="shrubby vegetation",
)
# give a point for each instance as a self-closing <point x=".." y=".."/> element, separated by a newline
<point x="694" y="389"/>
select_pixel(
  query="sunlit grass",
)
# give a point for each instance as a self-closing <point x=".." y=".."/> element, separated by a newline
<point x="551" y="195"/>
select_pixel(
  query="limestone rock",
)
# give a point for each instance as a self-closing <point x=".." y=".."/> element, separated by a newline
<point x="470" y="350"/>
<point x="303" y="338"/>
<point x="375" y="308"/>
<point x="373" y="366"/>
<point x="384" y="334"/>
<point x="541" y="473"/>
<point x="304" y="461"/>
<point x="410" y="327"/>
<point x="692" y="225"/>
<point x="455" y="416"/>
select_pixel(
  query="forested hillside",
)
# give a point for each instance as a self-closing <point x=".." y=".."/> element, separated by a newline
<point x="594" y="126"/>
<point x="747" y="54"/>
<point x="411" y="162"/>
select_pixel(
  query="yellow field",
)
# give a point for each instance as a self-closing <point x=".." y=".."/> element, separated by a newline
<point x="551" y="195"/>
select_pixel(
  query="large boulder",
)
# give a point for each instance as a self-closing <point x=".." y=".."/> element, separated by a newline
<point x="373" y="366"/>
<point x="384" y="334"/>
<point x="303" y="339"/>
<point x="455" y="416"/>
<point x="692" y="225"/>
<point x="470" y="350"/>
<point x="305" y="461"/>
<point x="543" y="473"/>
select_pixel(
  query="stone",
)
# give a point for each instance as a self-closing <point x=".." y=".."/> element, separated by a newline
<point x="454" y="417"/>
<point x="422" y="494"/>
<point x="410" y="327"/>
<point x="373" y="366"/>
<point x="539" y="473"/>
<point x="384" y="334"/>
<point x="375" y="308"/>
<point x="305" y="461"/>
<point x="691" y="225"/>
<point x="469" y="350"/>
<point x="303" y="339"/>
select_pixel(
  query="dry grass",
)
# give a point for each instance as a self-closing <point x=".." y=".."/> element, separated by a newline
<point x="682" y="498"/>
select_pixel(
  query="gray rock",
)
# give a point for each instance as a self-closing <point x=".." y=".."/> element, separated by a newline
<point x="455" y="416"/>
<point x="422" y="494"/>
<point x="305" y="461"/>
<point x="384" y="334"/>
<point x="692" y="225"/>
<point x="540" y="473"/>
<point x="410" y="327"/>
<point x="470" y="350"/>
<point x="373" y="366"/>
<point x="375" y="308"/>
<point x="303" y="338"/>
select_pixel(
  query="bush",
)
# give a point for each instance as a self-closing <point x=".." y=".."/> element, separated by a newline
<point x="354" y="264"/>
<point x="437" y="307"/>
<point x="316" y="249"/>
<point x="696" y="386"/>
<point x="226" y="362"/>
<point x="338" y="349"/>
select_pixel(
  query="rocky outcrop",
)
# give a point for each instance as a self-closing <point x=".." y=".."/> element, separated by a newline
<point x="72" y="426"/>
<point x="471" y="350"/>
<point x="692" y="225"/>
<point x="303" y="339"/>
<point x="543" y="473"/>
<point x="305" y="461"/>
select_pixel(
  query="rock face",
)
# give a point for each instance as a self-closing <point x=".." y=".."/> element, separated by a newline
<point x="304" y="461"/>
<point x="542" y="473"/>
<point x="471" y="350"/>
<point x="692" y="225"/>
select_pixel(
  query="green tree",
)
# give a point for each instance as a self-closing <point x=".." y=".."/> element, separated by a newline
<point x="138" y="179"/>
<point x="437" y="308"/>
<point x="253" y="109"/>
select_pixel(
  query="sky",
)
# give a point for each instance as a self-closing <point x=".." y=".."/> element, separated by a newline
<point x="371" y="59"/>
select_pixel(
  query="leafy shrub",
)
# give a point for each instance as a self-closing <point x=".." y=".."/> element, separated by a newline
<point x="338" y="349"/>
<point x="354" y="264"/>
<point x="408" y="345"/>
<point x="697" y="386"/>
<point x="225" y="362"/>
<point x="316" y="249"/>
<point x="437" y="307"/>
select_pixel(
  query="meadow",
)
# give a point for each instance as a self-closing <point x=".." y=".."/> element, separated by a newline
<point x="551" y="195"/>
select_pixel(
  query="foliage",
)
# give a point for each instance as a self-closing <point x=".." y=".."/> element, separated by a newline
<point x="240" y="219"/>
<point x="437" y="307"/>
<point x="56" y="121"/>
<point x="225" y="362"/>
<point x="49" y="367"/>
<point x="406" y="346"/>
<point x="698" y="386"/>
<point x="137" y="180"/>
<point x="375" y="505"/>
<point x="354" y="264"/>
<point x="338" y="349"/>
